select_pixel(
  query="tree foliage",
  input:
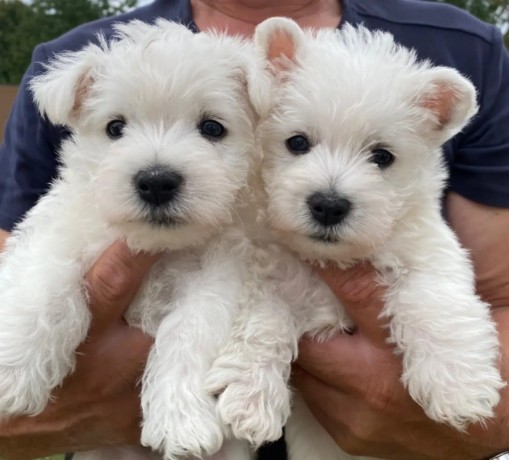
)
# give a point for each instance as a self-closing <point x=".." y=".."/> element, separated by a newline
<point x="24" y="25"/>
<point x="492" y="11"/>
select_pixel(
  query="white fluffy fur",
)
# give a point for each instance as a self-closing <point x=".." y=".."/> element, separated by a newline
<point x="163" y="80"/>
<point x="235" y="270"/>
<point x="351" y="92"/>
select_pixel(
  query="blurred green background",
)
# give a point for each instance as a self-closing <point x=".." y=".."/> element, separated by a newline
<point x="24" y="23"/>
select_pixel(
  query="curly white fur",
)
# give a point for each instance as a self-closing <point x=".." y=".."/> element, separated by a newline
<point x="350" y="93"/>
<point x="162" y="81"/>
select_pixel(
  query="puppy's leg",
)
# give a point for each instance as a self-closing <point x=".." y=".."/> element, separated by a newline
<point x="180" y="417"/>
<point x="284" y="300"/>
<point x="251" y="373"/>
<point x="448" y="339"/>
<point x="43" y="319"/>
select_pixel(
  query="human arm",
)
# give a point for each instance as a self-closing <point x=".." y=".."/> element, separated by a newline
<point x="98" y="405"/>
<point x="352" y="382"/>
<point x="3" y="238"/>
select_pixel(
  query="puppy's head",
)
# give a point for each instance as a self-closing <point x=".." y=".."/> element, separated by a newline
<point x="162" y="129"/>
<point x="351" y="135"/>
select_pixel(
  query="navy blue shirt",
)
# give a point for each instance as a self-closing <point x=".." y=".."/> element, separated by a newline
<point x="478" y="157"/>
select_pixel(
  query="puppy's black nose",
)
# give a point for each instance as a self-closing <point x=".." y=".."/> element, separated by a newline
<point x="328" y="208"/>
<point x="157" y="186"/>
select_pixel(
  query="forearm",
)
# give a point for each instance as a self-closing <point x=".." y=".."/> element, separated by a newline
<point x="482" y="230"/>
<point x="3" y="238"/>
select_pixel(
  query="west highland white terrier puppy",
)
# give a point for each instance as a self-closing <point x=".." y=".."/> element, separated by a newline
<point x="351" y="133"/>
<point x="162" y="139"/>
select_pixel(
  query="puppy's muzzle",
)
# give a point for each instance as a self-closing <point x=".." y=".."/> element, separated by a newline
<point x="157" y="186"/>
<point x="328" y="209"/>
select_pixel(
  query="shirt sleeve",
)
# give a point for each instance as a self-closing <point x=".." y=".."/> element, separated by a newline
<point x="28" y="160"/>
<point x="480" y="166"/>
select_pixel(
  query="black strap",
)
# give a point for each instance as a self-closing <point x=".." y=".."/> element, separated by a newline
<point x="273" y="451"/>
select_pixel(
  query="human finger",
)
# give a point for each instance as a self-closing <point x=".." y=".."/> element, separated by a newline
<point x="124" y="354"/>
<point x="315" y="391"/>
<point x="347" y="418"/>
<point x="336" y="360"/>
<point x="362" y="297"/>
<point x="113" y="281"/>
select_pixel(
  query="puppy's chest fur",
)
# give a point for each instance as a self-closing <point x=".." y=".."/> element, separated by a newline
<point x="274" y="274"/>
<point x="156" y="298"/>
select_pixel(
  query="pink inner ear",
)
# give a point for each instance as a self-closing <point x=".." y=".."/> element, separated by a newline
<point x="82" y="87"/>
<point x="281" y="49"/>
<point x="441" y="102"/>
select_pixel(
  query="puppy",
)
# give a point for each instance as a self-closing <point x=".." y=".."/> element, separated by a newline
<point x="162" y="139"/>
<point x="352" y="171"/>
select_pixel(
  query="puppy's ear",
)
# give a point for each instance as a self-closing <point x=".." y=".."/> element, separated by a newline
<point x="450" y="102"/>
<point x="60" y="92"/>
<point x="279" y="40"/>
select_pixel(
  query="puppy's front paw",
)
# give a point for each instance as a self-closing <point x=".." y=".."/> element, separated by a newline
<point x="456" y="394"/>
<point x="22" y="392"/>
<point x="183" y="429"/>
<point x="254" y="403"/>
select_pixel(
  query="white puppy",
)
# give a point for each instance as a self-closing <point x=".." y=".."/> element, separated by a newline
<point x="352" y="170"/>
<point x="162" y="139"/>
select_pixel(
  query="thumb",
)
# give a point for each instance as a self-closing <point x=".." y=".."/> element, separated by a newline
<point x="113" y="281"/>
<point x="361" y="296"/>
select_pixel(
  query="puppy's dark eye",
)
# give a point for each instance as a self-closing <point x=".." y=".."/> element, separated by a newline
<point x="115" y="128"/>
<point x="298" y="144"/>
<point x="382" y="158"/>
<point x="212" y="129"/>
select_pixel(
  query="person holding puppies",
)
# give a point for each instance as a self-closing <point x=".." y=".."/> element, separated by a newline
<point x="351" y="383"/>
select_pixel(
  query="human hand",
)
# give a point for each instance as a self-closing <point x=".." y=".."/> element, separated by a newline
<point x="98" y="405"/>
<point x="352" y="386"/>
